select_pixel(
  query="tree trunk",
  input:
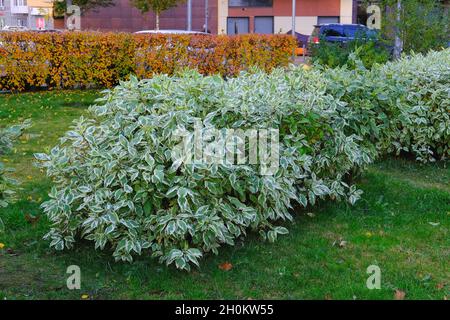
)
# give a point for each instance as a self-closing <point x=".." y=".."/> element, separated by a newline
<point x="157" y="20"/>
<point x="398" y="46"/>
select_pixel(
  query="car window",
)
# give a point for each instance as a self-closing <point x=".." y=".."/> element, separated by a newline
<point x="333" y="31"/>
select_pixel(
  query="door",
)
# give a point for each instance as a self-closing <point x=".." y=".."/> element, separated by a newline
<point x="264" y="25"/>
<point x="237" y="25"/>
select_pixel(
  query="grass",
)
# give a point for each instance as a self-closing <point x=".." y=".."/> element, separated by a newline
<point x="401" y="224"/>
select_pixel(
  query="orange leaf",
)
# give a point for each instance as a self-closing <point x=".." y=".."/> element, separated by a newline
<point x="399" y="295"/>
<point x="226" y="266"/>
<point x="440" y="286"/>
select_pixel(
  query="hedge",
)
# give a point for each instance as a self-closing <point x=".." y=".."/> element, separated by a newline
<point x="86" y="59"/>
<point x="117" y="184"/>
<point x="398" y="107"/>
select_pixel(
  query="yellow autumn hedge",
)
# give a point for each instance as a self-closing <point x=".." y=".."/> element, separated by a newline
<point x="89" y="59"/>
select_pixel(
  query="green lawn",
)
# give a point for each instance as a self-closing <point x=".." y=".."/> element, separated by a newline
<point x="401" y="224"/>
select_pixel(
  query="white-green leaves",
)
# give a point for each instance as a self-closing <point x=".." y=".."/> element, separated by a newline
<point x="117" y="182"/>
<point x="402" y="106"/>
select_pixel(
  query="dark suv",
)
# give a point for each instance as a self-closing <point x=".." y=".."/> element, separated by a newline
<point x="335" y="32"/>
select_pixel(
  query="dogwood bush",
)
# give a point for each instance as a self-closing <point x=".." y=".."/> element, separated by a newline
<point x="120" y="181"/>
<point x="424" y="107"/>
<point x="399" y="106"/>
<point x="116" y="182"/>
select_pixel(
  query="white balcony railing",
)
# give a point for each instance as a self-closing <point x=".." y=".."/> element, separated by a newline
<point x="19" y="9"/>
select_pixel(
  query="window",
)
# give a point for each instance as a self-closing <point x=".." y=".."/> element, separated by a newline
<point x="333" y="31"/>
<point x="2" y="23"/>
<point x="325" y="20"/>
<point x="237" y="25"/>
<point x="264" y="25"/>
<point x="250" y="3"/>
<point x="19" y="3"/>
<point x="20" y="22"/>
<point x="2" y="4"/>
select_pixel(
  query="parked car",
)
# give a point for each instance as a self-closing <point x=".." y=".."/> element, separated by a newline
<point x="336" y="32"/>
<point x="343" y="34"/>
<point x="171" y="32"/>
<point x="14" y="28"/>
<point x="48" y="31"/>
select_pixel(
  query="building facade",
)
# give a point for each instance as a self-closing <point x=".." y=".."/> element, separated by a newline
<point x="33" y="14"/>
<point x="124" y="17"/>
<point x="275" y="16"/>
<point x="226" y="16"/>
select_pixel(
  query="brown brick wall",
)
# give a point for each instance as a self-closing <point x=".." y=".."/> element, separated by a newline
<point x="123" y="17"/>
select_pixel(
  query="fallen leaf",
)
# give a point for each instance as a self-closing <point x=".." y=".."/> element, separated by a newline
<point x="328" y="297"/>
<point x="399" y="295"/>
<point x="84" y="296"/>
<point x="342" y="244"/>
<point x="434" y="224"/>
<point x="226" y="266"/>
<point x="310" y="214"/>
<point x="2" y="245"/>
<point x="440" y="286"/>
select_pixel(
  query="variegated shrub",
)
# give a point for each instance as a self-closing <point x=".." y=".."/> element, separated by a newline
<point x="400" y="106"/>
<point x="115" y="181"/>
<point x="424" y="107"/>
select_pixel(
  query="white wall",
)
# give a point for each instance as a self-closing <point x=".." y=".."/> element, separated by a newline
<point x="346" y="11"/>
<point x="303" y="25"/>
<point x="222" y="14"/>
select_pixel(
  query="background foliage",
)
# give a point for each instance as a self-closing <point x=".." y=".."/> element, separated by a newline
<point x="84" y="59"/>
<point x="333" y="55"/>
<point x="423" y="25"/>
